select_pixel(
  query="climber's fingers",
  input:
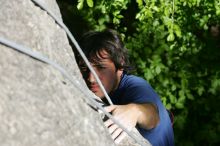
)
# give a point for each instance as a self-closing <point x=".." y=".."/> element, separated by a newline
<point x="116" y="133"/>
<point x="108" y="123"/>
<point x="112" y="128"/>
<point x="120" y="137"/>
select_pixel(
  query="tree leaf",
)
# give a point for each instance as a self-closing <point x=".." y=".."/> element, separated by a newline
<point x="179" y="105"/>
<point x="170" y="37"/>
<point x="80" y="4"/>
<point x="90" y="3"/>
<point x="158" y="69"/>
<point x="140" y="3"/>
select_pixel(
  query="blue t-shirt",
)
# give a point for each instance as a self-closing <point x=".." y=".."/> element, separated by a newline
<point x="133" y="89"/>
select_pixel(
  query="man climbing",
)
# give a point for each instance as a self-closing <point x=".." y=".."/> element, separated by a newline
<point x="136" y="104"/>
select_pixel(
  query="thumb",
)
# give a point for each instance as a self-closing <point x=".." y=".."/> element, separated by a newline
<point x="110" y="108"/>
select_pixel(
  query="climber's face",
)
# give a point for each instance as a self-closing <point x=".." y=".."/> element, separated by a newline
<point x="106" y="71"/>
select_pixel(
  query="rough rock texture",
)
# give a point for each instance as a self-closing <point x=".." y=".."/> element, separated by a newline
<point x="38" y="106"/>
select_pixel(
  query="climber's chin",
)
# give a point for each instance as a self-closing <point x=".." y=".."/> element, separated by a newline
<point x="96" y="90"/>
<point x="98" y="93"/>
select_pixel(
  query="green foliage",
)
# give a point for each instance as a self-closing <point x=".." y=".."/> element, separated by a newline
<point x="104" y="12"/>
<point x="81" y="3"/>
<point x="175" y="46"/>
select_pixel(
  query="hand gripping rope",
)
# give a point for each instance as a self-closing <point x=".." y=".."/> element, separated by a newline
<point x="72" y="79"/>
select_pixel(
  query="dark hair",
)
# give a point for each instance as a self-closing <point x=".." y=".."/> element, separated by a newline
<point x="93" y="42"/>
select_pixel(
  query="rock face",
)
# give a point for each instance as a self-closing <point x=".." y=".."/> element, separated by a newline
<point x="39" y="106"/>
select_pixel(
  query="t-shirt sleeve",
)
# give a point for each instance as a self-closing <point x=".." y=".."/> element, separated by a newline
<point x="139" y="91"/>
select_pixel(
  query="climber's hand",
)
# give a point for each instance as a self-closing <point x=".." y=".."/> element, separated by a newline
<point x="126" y="115"/>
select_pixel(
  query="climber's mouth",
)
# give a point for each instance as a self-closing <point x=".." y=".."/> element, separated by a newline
<point x="94" y="88"/>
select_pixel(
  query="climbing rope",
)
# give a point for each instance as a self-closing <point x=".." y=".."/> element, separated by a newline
<point x="75" y="82"/>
